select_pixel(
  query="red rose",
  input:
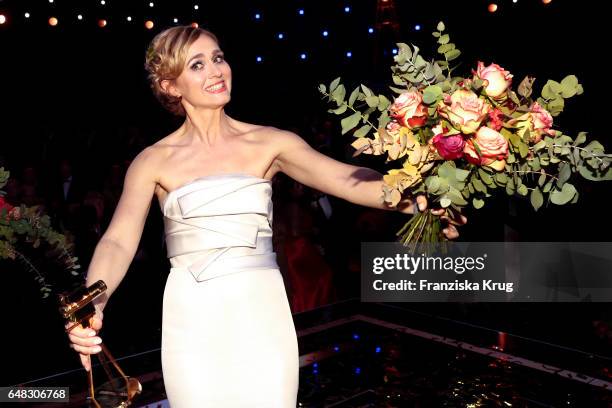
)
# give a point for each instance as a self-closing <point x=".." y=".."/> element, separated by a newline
<point x="449" y="147"/>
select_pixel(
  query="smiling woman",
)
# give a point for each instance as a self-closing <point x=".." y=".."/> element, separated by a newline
<point x="167" y="57"/>
<point x="228" y="338"/>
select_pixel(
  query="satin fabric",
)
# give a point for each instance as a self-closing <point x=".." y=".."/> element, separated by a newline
<point x="228" y="338"/>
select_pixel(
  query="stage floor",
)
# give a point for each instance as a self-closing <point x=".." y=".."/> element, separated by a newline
<point x="355" y="354"/>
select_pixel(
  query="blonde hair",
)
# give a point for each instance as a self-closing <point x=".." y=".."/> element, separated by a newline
<point x="165" y="60"/>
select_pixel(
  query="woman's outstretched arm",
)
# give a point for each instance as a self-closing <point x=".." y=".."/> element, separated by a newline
<point x="358" y="185"/>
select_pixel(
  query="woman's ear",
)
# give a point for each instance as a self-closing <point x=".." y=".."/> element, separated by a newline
<point x="168" y="87"/>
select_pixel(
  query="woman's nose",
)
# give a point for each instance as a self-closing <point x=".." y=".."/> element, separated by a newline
<point x="215" y="71"/>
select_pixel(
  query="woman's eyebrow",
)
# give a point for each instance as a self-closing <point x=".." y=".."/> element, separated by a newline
<point x="200" y="55"/>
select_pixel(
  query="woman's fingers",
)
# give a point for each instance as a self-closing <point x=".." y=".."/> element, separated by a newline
<point x="86" y="350"/>
<point x="86" y="362"/>
<point x="450" y="232"/>
<point x="461" y="220"/>
<point x="95" y="322"/>
<point x="88" y="341"/>
<point x="421" y="202"/>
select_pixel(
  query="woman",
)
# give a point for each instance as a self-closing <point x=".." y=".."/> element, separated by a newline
<point x="228" y="338"/>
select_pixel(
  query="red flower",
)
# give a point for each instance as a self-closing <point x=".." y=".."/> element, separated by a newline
<point x="496" y="121"/>
<point x="5" y="206"/>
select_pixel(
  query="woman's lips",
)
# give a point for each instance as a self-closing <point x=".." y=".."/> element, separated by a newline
<point x="216" y="88"/>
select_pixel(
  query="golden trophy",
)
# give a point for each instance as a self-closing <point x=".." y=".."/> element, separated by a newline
<point x="119" y="391"/>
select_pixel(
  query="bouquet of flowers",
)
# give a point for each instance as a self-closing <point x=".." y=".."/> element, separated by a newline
<point x="458" y="139"/>
<point x="26" y="236"/>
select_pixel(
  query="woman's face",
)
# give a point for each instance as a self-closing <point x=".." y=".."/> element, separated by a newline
<point x="206" y="80"/>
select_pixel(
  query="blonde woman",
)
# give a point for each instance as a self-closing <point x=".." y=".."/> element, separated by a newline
<point x="228" y="338"/>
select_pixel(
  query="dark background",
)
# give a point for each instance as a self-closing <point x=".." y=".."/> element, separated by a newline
<point x="78" y="91"/>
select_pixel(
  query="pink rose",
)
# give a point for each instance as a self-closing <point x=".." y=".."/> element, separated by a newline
<point x="496" y="79"/>
<point x="466" y="110"/>
<point x="449" y="147"/>
<point x="493" y="149"/>
<point x="538" y="122"/>
<point x="409" y="110"/>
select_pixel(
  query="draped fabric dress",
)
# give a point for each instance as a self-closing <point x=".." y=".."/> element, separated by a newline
<point x="228" y="338"/>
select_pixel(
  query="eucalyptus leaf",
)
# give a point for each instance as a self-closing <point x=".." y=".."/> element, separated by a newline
<point x="353" y="96"/>
<point x="563" y="196"/>
<point x="580" y="139"/>
<point x="362" y="131"/>
<point x="350" y="122"/>
<point x="452" y="54"/>
<point x="536" y="198"/>
<point x="340" y="110"/>
<point x="372" y="101"/>
<point x="367" y="91"/>
<point x="334" y="84"/>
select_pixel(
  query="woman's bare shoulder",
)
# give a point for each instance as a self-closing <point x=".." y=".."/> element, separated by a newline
<point x="151" y="158"/>
<point x="263" y="133"/>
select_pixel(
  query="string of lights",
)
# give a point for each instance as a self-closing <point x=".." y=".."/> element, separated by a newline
<point x="151" y="15"/>
<point x="54" y="21"/>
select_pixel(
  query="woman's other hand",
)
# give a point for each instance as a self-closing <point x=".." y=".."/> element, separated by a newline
<point x="85" y="341"/>
<point x="451" y="219"/>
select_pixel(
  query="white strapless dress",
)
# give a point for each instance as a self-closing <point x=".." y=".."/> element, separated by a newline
<point x="228" y="338"/>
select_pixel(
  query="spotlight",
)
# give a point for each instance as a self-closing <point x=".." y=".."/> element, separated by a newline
<point x="151" y="4"/>
<point x="325" y="33"/>
<point x="259" y="59"/>
<point x="492" y="8"/>
<point x="356" y="336"/>
<point x="515" y="1"/>
<point x="357" y="370"/>
<point x="303" y="56"/>
<point x="2" y="19"/>
<point x="53" y="21"/>
<point x="280" y="36"/>
<point x="175" y="20"/>
<point x="149" y="24"/>
<point x="347" y="9"/>
<point x="417" y="27"/>
<point x="546" y="1"/>
<point x="195" y="25"/>
<point x="102" y="2"/>
<point x="370" y="30"/>
<point x="50" y="1"/>
<point x="196" y="7"/>
<point x="80" y="17"/>
<point x="349" y="54"/>
<point x="27" y="15"/>
<point x="129" y="18"/>
<point x="301" y="12"/>
<point x="257" y="16"/>
<point x="394" y="51"/>
<point x="101" y="23"/>
<point x="378" y="349"/>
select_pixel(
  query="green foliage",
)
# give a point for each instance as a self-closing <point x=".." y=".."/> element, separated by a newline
<point x="542" y="164"/>
<point x="25" y="230"/>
